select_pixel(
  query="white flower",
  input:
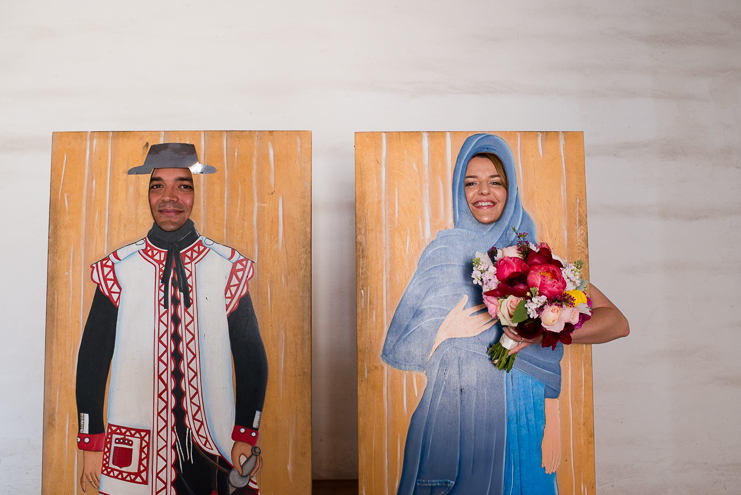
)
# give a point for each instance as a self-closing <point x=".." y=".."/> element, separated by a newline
<point x="572" y="276"/>
<point x="534" y="304"/>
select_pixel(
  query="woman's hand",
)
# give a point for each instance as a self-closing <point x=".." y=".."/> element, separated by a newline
<point x="522" y="343"/>
<point x="462" y="323"/>
<point x="551" y="446"/>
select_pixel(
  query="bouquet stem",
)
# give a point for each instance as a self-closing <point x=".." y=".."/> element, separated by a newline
<point x="498" y="353"/>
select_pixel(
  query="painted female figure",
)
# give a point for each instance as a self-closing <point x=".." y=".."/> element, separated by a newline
<point x="477" y="430"/>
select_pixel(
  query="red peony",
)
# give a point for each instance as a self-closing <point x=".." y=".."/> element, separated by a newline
<point x="508" y="267"/>
<point x="547" y="279"/>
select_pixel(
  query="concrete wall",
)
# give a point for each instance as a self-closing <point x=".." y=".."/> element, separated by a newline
<point x="654" y="85"/>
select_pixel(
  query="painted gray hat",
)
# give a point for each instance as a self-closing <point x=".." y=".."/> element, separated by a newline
<point x="172" y="155"/>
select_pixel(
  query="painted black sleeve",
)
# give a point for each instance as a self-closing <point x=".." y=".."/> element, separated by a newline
<point x="250" y="363"/>
<point x="94" y="361"/>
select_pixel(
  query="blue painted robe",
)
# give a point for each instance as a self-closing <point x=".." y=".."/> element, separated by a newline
<point x="477" y="430"/>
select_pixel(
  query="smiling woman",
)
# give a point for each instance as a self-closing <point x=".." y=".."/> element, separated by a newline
<point x="486" y="187"/>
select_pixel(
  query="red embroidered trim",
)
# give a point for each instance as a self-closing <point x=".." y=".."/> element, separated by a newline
<point x="244" y="434"/>
<point x="236" y="285"/>
<point x="103" y="273"/>
<point x="193" y="401"/>
<point x="95" y="442"/>
<point x="165" y="453"/>
<point x="120" y="459"/>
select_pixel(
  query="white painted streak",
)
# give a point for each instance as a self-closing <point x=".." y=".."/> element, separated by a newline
<point x="272" y="165"/>
<point x="82" y="230"/>
<point x="383" y="222"/>
<point x="540" y="144"/>
<point x="162" y="137"/>
<point x="255" y="231"/>
<point x="386" y="262"/>
<point x="66" y="205"/>
<point x="571" y="430"/>
<point x="69" y="274"/>
<point x="426" y="185"/>
<point x="75" y="484"/>
<point x="409" y="238"/>
<point x="578" y="220"/>
<point x="414" y="382"/>
<point x="564" y="225"/>
<point x="280" y="222"/>
<point x="107" y="191"/>
<point x="520" y="181"/>
<point x="440" y="198"/>
<point x="281" y="359"/>
<point x="226" y="184"/>
<point x="404" y="391"/>
<point x="398" y="459"/>
<point x="239" y="202"/>
<point x="66" y="433"/>
<point x="202" y="194"/>
<point x="449" y="175"/>
<point x="61" y="180"/>
<point x="291" y="438"/>
<point x="269" y="308"/>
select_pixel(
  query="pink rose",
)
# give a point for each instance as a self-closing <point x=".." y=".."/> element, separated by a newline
<point x="551" y="318"/>
<point x="547" y="279"/>
<point x="511" y="252"/>
<point x="510" y="267"/>
<point x="570" y="315"/>
<point x="507" y="309"/>
<point x="492" y="305"/>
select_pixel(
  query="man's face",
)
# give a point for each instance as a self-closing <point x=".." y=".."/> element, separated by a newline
<point x="171" y="197"/>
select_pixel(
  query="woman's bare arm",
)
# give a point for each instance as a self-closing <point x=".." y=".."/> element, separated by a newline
<point x="607" y="323"/>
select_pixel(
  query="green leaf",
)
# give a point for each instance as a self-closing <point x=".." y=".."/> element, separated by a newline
<point x="520" y="313"/>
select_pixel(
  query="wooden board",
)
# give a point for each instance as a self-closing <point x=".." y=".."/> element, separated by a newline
<point x="402" y="199"/>
<point x="259" y="203"/>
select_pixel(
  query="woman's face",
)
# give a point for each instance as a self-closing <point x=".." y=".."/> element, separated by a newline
<point x="485" y="194"/>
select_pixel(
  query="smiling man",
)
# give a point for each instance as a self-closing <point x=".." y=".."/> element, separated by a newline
<point x="173" y="320"/>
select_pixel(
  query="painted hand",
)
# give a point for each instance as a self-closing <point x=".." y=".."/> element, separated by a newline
<point x="91" y="465"/>
<point x="240" y="449"/>
<point x="462" y="322"/>
<point x="551" y="446"/>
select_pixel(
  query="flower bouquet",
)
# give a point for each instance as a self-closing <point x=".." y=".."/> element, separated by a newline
<point x="533" y="292"/>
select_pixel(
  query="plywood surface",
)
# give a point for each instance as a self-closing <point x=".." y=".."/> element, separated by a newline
<point x="403" y="198"/>
<point x="259" y="203"/>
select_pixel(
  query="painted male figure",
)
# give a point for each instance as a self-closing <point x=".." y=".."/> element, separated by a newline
<point x="169" y="314"/>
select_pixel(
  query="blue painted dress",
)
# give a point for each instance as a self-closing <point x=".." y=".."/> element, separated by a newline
<point x="477" y="430"/>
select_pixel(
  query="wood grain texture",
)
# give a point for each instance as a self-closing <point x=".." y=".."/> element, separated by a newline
<point x="259" y="203"/>
<point x="403" y="198"/>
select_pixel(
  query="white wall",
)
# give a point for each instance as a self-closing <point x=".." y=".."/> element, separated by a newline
<point x="654" y="85"/>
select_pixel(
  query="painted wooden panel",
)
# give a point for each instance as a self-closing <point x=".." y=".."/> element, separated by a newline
<point x="403" y="198"/>
<point x="259" y="203"/>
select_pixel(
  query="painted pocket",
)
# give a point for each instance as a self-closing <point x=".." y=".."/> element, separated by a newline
<point x="126" y="454"/>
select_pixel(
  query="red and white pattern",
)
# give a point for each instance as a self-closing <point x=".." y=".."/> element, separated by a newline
<point x="135" y="444"/>
<point x="237" y="285"/>
<point x="103" y="273"/>
<point x="164" y="444"/>
<point x="164" y="421"/>
<point x="193" y="399"/>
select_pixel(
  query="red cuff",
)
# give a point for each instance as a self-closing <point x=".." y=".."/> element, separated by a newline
<point x="91" y="442"/>
<point x="244" y="434"/>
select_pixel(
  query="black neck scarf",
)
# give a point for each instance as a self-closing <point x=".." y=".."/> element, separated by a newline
<point x="174" y="242"/>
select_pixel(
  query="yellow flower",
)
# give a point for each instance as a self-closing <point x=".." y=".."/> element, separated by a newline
<point x="579" y="296"/>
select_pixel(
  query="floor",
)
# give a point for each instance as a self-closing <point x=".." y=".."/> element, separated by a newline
<point x="334" y="487"/>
